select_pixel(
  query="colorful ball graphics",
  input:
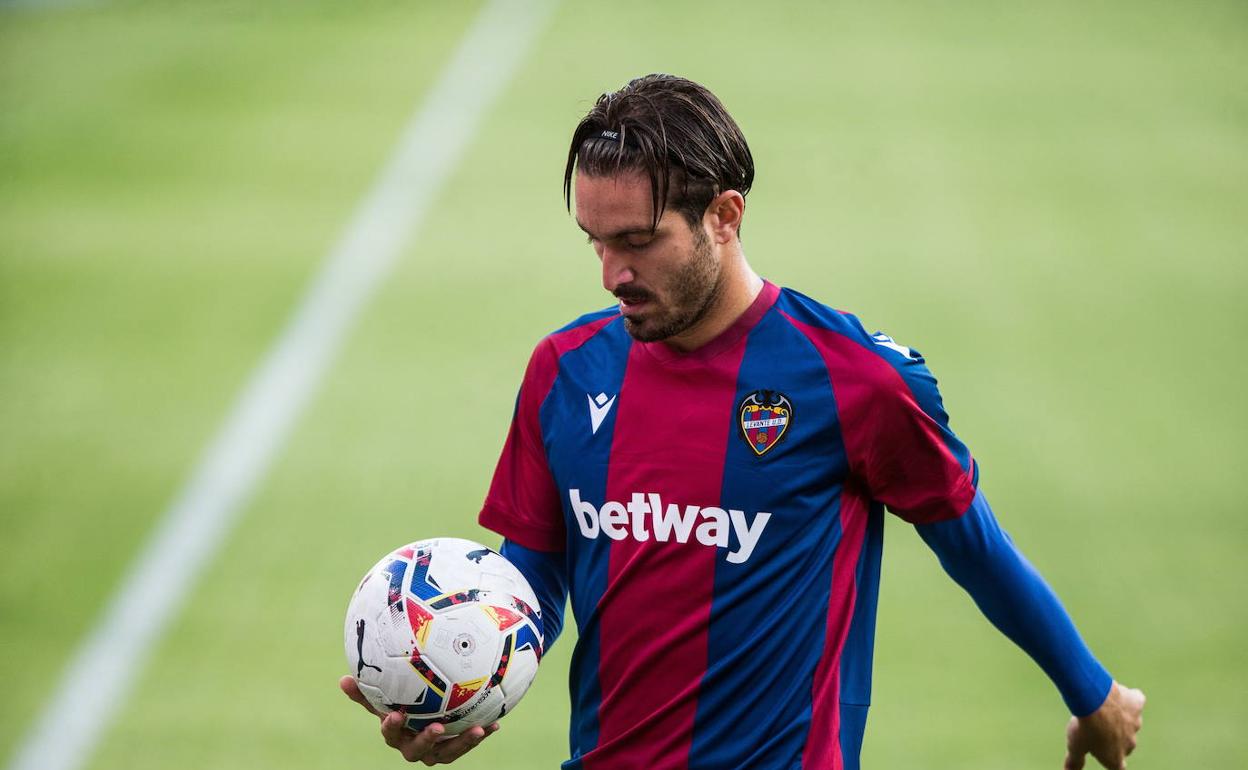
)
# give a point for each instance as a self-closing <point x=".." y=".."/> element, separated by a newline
<point x="444" y="630"/>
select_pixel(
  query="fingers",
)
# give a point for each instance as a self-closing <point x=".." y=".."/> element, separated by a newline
<point x="413" y="746"/>
<point x="1075" y="760"/>
<point x="1133" y="709"/>
<point x="349" y="686"/>
<point x="1075" y="752"/>
<point x="430" y="746"/>
<point x="1114" y="758"/>
<point x="451" y="749"/>
<point x="1135" y="703"/>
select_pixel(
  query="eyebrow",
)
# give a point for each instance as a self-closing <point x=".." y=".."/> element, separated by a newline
<point x="622" y="233"/>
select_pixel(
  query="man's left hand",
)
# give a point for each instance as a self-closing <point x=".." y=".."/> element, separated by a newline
<point x="1108" y="733"/>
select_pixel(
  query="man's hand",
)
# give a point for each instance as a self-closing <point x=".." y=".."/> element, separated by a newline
<point x="1108" y="733"/>
<point x="429" y="745"/>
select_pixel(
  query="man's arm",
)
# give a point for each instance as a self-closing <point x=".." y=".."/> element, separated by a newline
<point x="983" y="560"/>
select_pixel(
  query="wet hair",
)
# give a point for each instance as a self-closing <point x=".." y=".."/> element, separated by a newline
<point x="670" y="129"/>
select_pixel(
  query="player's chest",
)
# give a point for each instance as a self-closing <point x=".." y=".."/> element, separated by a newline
<point x="765" y="422"/>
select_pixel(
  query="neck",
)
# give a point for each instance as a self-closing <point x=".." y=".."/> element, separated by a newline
<point x="740" y="286"/>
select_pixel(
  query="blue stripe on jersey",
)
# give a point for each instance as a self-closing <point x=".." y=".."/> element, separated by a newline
<point x="597" y="366"/>
<point x="853" y="725"/>
<point x="858" y="655"/>
<point x="750" y="714"/>
<point x="587" y="319"/>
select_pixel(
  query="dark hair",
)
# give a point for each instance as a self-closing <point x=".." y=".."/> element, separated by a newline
<point x="672" y="130"/>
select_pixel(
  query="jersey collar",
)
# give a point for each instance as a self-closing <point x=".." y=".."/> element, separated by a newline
<point x="726" y="339"/>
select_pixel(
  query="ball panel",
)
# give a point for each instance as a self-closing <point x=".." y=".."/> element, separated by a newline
<point x="375" y="697"/>
<point x="486" y="710"/>
<point x="464" y="643"/>
<point x="520" y="675"/>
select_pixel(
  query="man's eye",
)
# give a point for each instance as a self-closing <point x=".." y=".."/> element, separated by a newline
<point x="638" y="244"/>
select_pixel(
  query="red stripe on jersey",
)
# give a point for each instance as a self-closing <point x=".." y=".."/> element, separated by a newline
<point x="523" y="504"/>
<point x="823" y="744"/>
<point x="655" y="611"/>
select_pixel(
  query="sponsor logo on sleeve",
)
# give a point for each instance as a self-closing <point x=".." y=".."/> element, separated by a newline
<point x="885" y="341"/>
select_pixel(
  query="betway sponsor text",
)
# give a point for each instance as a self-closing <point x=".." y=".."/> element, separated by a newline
<point x="645" y="517"/>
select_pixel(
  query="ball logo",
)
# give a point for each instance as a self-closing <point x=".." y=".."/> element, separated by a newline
<point x="764" y="417"/>
<point x="359" y="647"/>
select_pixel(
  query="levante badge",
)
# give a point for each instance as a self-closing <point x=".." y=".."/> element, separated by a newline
<point x="764" y="417"/>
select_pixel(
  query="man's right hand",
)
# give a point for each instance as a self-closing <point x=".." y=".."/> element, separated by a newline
<point x="429" y="745"/>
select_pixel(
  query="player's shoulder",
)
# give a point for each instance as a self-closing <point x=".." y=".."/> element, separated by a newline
<point x="830" y="324"/>
<point x="550" y="349"/>
<point x="591" y="321"/>
<point x="575" y="334"/>
<point x="806" y="311"/>
<point x="884" y="369"/>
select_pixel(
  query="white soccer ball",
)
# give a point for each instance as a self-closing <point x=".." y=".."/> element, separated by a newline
<point x="444" y="630"/>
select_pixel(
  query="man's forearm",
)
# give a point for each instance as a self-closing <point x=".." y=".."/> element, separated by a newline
<point x="980" y="556"/>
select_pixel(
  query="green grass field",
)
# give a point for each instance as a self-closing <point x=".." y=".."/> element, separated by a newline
<point x="1048" y="200"/>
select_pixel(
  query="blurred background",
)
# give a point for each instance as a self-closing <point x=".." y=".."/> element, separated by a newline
<point x="1046" y="199"/>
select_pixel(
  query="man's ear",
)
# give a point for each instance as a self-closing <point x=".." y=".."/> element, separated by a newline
<point x="724" y="214"/>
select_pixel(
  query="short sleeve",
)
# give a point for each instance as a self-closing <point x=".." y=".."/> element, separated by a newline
<point x="905" y="451"/>
<point x="522" y="504"/>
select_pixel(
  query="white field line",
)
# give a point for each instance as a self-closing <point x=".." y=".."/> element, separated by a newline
<point x="98" y="679"/>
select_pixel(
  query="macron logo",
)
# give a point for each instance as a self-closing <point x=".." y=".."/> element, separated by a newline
<point x="882" y="339"/>
<point x="598" y="407"/>
<point x="645" y="516"/>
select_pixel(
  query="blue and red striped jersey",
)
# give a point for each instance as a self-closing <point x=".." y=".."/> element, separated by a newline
<point x="722" y="517"/>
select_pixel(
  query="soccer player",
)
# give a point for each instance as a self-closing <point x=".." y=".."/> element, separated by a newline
<point x="705" y="467"/>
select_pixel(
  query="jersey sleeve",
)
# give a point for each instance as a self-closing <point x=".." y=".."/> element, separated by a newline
<point x="522" y="504"/>
<point x="547" y="573"/>
<point x="905" y="451"/>
<point x="982" y="558"/>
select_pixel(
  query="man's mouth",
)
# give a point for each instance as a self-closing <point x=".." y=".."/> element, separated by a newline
<point x="632" y="302"/>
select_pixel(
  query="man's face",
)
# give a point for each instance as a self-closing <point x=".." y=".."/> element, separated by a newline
<point x="666" y="280"/>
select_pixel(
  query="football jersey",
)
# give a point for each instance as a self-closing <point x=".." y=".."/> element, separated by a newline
<point x="721" y="511"/>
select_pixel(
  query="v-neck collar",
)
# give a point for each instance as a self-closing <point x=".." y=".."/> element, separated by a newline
<point x="724" y="340"/>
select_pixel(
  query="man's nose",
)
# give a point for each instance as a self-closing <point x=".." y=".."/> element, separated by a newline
<point x="616" y="269"/>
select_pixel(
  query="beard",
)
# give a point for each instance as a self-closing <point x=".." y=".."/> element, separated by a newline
<point x="690" y="294"/>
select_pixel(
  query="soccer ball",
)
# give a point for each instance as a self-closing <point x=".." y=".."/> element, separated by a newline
<point x="444" y="630"/>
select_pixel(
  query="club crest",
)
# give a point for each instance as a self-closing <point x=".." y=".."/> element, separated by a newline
<point x="764" y="416"/>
